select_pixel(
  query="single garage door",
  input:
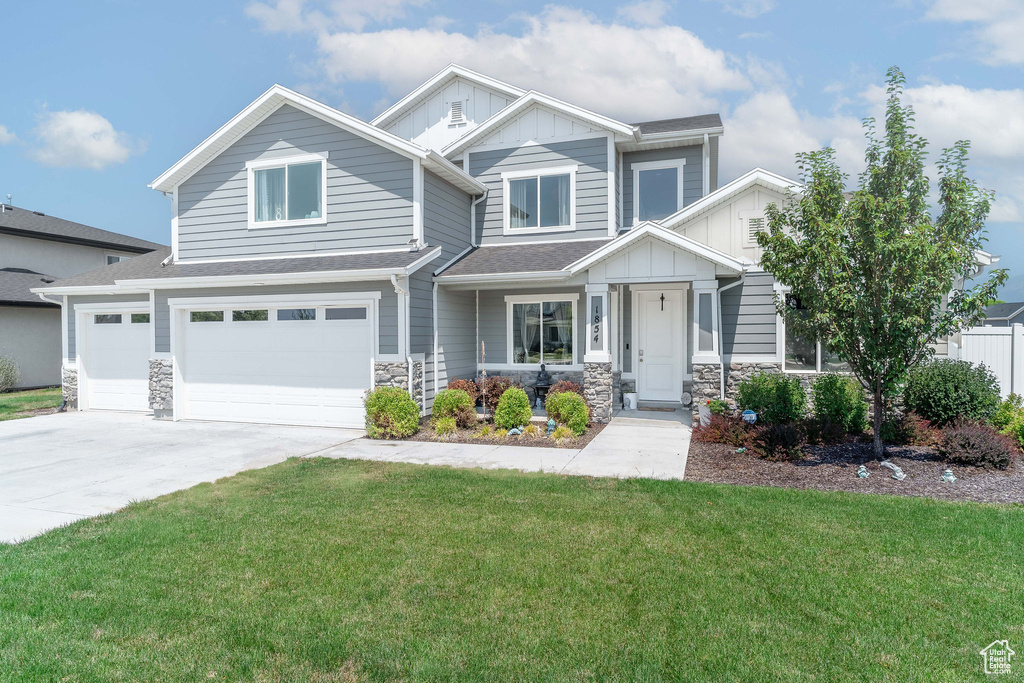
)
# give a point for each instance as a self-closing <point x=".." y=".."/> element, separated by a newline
<point x="116" y="360"/>
<point x="295" y="365"/>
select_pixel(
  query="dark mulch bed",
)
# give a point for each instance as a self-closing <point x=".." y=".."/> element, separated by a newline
<point x="834" y="468"/>
<point x="469" y="436"/>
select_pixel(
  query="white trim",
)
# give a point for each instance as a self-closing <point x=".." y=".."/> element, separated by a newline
<point x="174" y="223"/>
<point x="278" y="257"/>
<point x="613" y="227"/>
<point x="82" y="314"/>
<point x="619" y="191"/>
<point x="590" y="135"/>
<point x="538" y="173"/>
<point x="417" y="202"/>
<point x="757" y="176"/>
<point x="284" y="162"/>
<point x="541" y="299"/>
<point x="714" y="351"/>
<point x="528" y="367"/>
<point x="635" y="327"/>
<point x="152" y="328"/>
<point x="64" y="330"/>
<point x="604" y="354"/>
<point x="234" y="302"/>
<point x="678" y="164"/>
<point x="495" y="278"/>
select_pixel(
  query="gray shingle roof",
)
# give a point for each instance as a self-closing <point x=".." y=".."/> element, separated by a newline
<point x="680" y="125"/>
<point x="15" y="284"/>
<point x="148" y="267"/>
<point x="1003" y="310"/>
<point x="523" y="258"/>
<point x="15" y="220"/>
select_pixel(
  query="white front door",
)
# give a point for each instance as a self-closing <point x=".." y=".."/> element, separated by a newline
<point x="660" y="344"/>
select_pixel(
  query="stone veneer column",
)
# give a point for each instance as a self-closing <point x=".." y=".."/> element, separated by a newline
<point x="417" y="382"/>
<point x="707" y="380"/>
<point x="391" y="374"/>
<point x="597" y="389"/>
<point x="69" y="387"/>
<point x="161" y="386"/>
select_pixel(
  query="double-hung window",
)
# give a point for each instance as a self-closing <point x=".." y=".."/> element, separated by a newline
<point x="541" y="330"/>
<point x="287" y="191"/>
<point x="540" y="200"/>
<point x="808" y="355"/>
<point x="657" y="189"/>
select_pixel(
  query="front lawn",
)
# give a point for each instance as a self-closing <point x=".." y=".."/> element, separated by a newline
<point x="15" y="402"/>
<point x="336" y="570"/>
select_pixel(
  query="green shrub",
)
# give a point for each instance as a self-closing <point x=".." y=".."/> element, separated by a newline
<point x="9" y="373"/>
<point x="467" y="385"/>
<point x="943" y="391"/>
<point x="391" y="413"/>
<point x="492" y="389"/>
<point x="456" y="404"/>
<point x="967" y="442"/>
<point x="823" y="431"/>
<point x="561" y="432"/>
<point x="513" y="409"/>
<point x="1009" y="412"/>
<point x="909" y="429"/>
<point x="839" y="399"/>
<point x="570" y="409"/>
<point x="718" y="406"/>
<point x="778" y="443"/>
<point x="445" y="425"/>
<point x="776" y="398"/>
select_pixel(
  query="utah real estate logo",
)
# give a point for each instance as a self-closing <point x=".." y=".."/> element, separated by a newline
<point x="997" y="657"/>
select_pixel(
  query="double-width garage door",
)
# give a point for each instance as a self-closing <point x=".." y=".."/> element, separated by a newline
<point x="295" y="365"/>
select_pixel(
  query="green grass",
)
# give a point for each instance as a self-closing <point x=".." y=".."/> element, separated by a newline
<point x="20" y="401"/>
<point x="347" y="570"/>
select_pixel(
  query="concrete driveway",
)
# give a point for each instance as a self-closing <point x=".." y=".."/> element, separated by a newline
<point x="56" y="469"/>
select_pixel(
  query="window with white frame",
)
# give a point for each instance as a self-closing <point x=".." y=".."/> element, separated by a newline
<point x="541" y="330"/>
<point x="806" y="355"/>
<point x="112" y="258"/>
<point x="540" y="201"/>
<point x="287" y="191"/>
<point x="657" y="189"/>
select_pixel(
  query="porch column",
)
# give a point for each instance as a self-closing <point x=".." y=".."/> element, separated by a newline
<point x="707" y="358"/>
<point x="597" y="359"/>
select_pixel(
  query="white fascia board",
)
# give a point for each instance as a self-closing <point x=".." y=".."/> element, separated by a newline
<point x="772" y="181"/>
<point x="529" y="99"/>
<point x="263" y="106"/>
<point x="448" y="73"/>
<point x="690" y="133"/>
<point x="539" y="276"/>
<point x="88" y="290"/>
<point x="445" y="169"/>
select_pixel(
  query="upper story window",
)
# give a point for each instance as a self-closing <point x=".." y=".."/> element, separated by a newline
<point x="540" y="200"/>
<point x="112" y="258"/>
<point x="657" y="189"/>
<point x="287" y="191"/>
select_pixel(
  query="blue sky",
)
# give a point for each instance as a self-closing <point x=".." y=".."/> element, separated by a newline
<point x="101" y="97"/>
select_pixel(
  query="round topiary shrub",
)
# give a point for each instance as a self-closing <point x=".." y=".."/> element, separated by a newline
<point x="945" y="390"/>
<point x="570" y="409"/>
<point x="492" y="389"/>
<point x="9" y="373"/>
<point x="776" y="398"/>
<point x="513" y="409"/>
<point x="467" y="385"/>
<point x="976" y="444"/>
<point x="456" y="404"/>
<point x="839" y="400"/>
<point x="391" y="413"/>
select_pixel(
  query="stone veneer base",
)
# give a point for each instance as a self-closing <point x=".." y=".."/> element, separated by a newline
<point x="598" y="390"/>
<point x="69" y="387"/>
<point x="161" y="385"/>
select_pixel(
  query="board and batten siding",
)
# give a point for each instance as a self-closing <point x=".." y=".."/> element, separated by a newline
<point x="591" y="157"/>
<point x="387" y="307"/>
<point x="493" y="320"/>
<point x="749" y="317"/>
<point x="369" y="194"/>
<point x="74" y="301"/>
<point x="693" y="174"/>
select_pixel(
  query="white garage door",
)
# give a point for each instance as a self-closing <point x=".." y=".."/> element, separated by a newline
<point x="302" y="366"/>
<point x="116" y="360"/>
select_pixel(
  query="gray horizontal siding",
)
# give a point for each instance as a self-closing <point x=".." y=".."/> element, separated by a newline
<point x="456" y="323"/>
<point x="493" y="326"/>
<point x="591" y="155"/>
<point x="369" y="194"/>
<point x="693" y="176"/>
<point x="445" y="217"/>
<point x="388" y="307"/>
<point x="713" y="163"/>
<point x="748" y="317"/>
<point x="76" y="300"/>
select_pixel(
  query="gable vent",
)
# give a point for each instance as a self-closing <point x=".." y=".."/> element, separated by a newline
<point x="457" y="116"/>
<point x="754" y="226"/>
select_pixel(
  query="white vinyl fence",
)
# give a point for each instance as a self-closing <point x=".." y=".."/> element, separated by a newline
<point x="1001" y="349"/>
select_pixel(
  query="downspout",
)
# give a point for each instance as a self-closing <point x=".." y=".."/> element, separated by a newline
<point x="721" y="336"/>
<point x="436" y="346"/>
<point x="63" y="407"/>
<point x="472" y="218"/>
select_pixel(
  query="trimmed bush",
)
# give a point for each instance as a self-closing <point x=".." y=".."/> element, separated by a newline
<point x="776" y="398"/>
<point x="9" y="373"/>
<point x="467" y="385"/>
<point x="717" y="406"/>
<point x="391" y="413"/>
<point x="909" y="430"/>
<point x="778" y="443"/>
<point x="495" y="387"/>
<point x="513" y="409"/>
<point x="570" y="409"/>
<point x="456" y="404"/>
<point x="967" y="442"/>
<point x="725" y="429"/>
<point x="839" y="400"/>
<point x="564" y="385"/>
<point x="946" y="390"/>
<point x="445" y="425"/>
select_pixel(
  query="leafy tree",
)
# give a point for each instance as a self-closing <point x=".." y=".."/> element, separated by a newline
<point x="879" y="280"/>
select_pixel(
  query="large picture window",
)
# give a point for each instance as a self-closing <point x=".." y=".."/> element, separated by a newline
<point x="539" y="201"/>
<point x="657" y="189"/>
<point x="808" y="355"/>
<point x="541" y="332"/>
<point x="287" y="191"/>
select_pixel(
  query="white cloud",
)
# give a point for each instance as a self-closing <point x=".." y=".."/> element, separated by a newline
<point x="6" y="136"/>
<point x="644" y="12"/>
<point x="748" y="9"/>
<point x="291" y="16"/>
<point x="998" y="26"/>
<point x="83" y="139"/>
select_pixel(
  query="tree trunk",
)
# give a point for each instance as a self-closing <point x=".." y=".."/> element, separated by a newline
<point x="879" y="447"/>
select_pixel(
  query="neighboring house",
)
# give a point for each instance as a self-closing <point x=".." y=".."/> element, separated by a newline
<point x="1004" y="315"/>
<point x="471" y="226"/>
<point x="35" y="250"/>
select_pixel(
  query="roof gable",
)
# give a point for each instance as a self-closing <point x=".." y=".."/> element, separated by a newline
<point x="758" y="176"/>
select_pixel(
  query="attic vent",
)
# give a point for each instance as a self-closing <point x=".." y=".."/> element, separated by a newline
<point x="456" y="116"/>
<point x="755" y="224"/>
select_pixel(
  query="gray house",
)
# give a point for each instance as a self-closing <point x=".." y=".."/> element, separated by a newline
<point x="1004" y="315"/>
<point x="35" y="250"/>
<point x="472" y="226"/>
